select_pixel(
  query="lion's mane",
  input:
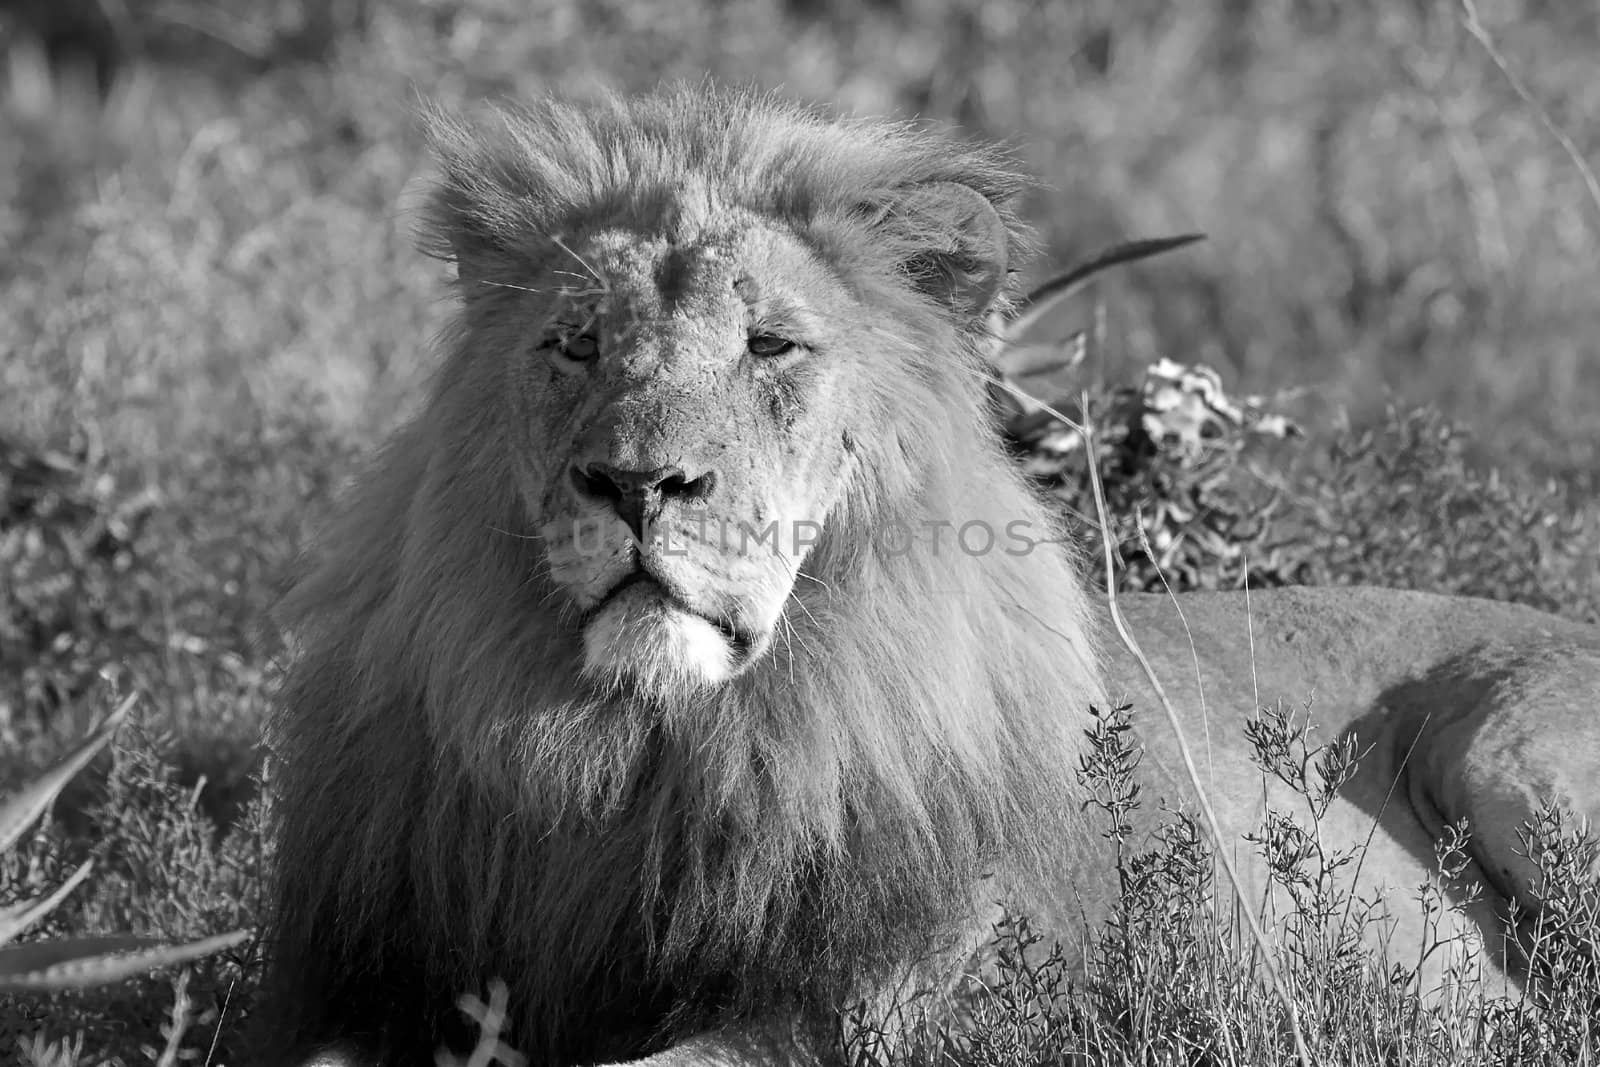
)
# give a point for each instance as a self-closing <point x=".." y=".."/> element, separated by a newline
<point x="455" y="801"/>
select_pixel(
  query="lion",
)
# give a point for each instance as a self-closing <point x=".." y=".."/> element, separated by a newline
<point x="697" y="662"/>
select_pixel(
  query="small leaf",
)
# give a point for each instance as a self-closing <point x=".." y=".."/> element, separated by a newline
<point x="79" y="962"/>
<point x="24" y="809"/>
<point x="16" y="918"/>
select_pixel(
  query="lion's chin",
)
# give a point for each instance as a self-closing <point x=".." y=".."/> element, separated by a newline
<point x="642" y="637"/>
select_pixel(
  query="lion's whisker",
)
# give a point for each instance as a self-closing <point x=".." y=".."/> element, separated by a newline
<point x="785" y="629"/>
<point x="514" y="535"/>
<point x="811" y="578"/>
<point x="508" y="285"/>
<point x="797" y="636"/>
<point x="802" y="606"/>
<point x="585" y="264"/>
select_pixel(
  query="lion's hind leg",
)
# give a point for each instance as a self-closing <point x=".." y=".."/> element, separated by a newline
<point x="1516" y="734"/>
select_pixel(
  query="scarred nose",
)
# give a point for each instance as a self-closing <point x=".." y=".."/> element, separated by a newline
<point x="638" y="496"/>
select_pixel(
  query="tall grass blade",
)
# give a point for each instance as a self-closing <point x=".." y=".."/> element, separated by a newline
<point x="24" y="809"/>
<point x="79" y="962"/>
<point x="15" y="918"/>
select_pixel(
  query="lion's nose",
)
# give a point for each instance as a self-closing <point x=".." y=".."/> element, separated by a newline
<point x="638" y="496"/>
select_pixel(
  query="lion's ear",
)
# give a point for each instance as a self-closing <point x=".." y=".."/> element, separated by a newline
<point x="477" y="195"/>
<point x="455" y="232"/>
<point x="956" y="246"/>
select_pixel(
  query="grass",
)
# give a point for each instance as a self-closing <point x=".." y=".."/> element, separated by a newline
<point x="209" y="309"/>
<point x="1171" y="980"/>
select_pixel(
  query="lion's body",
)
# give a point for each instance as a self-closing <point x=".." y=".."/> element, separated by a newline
<point x="559" y="718"/>
<point x="1462" y="709"/>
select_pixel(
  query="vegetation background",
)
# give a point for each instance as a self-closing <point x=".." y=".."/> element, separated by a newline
<point x="209" y="307"/>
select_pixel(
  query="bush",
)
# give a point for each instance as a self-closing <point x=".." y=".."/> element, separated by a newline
<point x="154" y="869"/>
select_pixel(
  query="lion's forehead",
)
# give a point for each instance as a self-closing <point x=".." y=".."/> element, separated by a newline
<point x="744" y="271"/>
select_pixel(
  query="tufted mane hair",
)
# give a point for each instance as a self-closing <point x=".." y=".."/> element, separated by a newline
<point x="544" y="167"/>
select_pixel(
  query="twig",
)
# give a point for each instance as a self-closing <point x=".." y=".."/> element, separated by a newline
<point x="1480" y="32"/>
<point x="178" y="1021"/>
<point x="216" y="1033"/>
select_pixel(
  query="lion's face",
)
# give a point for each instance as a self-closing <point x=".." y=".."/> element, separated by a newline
<point x="702" y="326"/>
<point x="682" y="405"/>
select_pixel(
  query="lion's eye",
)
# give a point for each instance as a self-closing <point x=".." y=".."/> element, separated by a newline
<point x="582" y="347"/>
<point x="768" y="344"/>
<point x="578" y="347"/>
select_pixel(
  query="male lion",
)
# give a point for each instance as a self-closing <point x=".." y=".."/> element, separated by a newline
<point x="697" y="663"/>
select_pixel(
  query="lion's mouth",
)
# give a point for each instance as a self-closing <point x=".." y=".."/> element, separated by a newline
<point x="741" y="643"/>
<point x="638" y="576"/>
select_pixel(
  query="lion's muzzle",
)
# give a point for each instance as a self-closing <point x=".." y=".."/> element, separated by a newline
<point x="642" y="633"/>
<point x="674" y="597"/>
